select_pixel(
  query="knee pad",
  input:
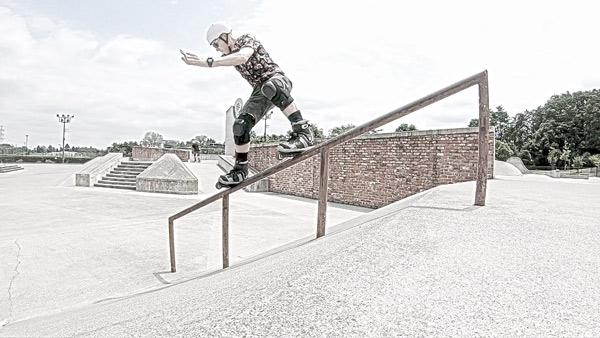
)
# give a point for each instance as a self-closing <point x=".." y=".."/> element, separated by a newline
<point x="278" y="92"/>
<point x="241" y="128"/>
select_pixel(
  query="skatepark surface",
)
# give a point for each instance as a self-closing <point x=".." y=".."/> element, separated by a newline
<point x="94" y="262"/>
<point x="63" y="246"/>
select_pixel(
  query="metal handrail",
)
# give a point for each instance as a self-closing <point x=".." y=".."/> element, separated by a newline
<point x="480" y="79"/>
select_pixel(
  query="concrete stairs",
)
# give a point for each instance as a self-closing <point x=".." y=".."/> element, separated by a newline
<point x="9" y="168"/>
<point x="123" y="175"/>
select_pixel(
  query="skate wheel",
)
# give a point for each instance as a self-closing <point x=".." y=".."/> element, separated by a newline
<point x="218" y="185"/>
<point x="280" y="156"/>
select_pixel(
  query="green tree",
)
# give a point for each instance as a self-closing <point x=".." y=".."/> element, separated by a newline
<point x="518" y="132"/>
<point x="203" y="141"/>
<point x="152" y="139"/>
<point x="595" y="160"/>
<point x="565" y="156"/>
<point x="503" y="151"/>
<point x="474" y="123"/>
<point x="405" y="127"/>
<point x="317" y="132"/>
<point x="578" y="161"/>
<point x="572" y="119"/>
<point x="125" y="148"/>
<point x="553" y="157"/>
<point x="499" y="119"/>
<point x="340" y="130"/>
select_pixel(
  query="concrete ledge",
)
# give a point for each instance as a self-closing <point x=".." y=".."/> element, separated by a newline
<point x="227" y="162"/>
<point x="97" y="167"/>
<point x="209" y="157"/>
<point x="153" y="154"/>
<point x="168" y="175"/>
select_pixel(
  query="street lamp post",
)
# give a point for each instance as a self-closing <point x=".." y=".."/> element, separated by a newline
<point x="267" y="116"/>
<point x="64" y="119"/>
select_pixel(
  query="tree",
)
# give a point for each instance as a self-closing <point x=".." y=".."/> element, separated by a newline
<point x="572" y="119"/>
<point x="553" y="157"/>
<point x="317" y="132"/>
<point x="152" y="139"/>
<point x="595" y="160"/>
<point x="565" y="156"/>
<point x="503" y="151"/>
<point x="578" y="161"/>
<point x="203" y="141"/>
<point x="499" y="119"/>
<point x="340" y="130"/>
<point x="518" y="133"/>
<point x="405" y="127"/>
<point x="125" y="148"/>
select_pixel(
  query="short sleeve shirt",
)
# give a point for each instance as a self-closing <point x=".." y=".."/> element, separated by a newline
<point x="259" y="67"/>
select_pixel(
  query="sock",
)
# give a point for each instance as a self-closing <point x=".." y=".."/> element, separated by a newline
<point x="241" y="157"/>
<point x="295" y="117"/>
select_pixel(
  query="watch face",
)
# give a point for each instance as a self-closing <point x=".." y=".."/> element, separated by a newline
<point x="237" y="107"/>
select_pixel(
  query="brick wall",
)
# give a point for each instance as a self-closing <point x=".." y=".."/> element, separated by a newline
<point x="153" y="154"/>
<point x="376" y="170"/>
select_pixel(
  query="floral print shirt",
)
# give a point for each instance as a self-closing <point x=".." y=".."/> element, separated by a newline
<point x="260" y="67"/>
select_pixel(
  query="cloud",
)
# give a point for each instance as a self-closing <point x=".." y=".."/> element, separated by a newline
<point x="348" y="65"/>
<point x="118" y="88"/>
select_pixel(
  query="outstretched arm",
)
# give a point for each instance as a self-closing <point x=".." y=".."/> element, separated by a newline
<point x="233" y="59"/>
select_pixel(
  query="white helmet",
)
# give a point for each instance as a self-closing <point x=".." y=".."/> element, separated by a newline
<point x="216" y="29"/>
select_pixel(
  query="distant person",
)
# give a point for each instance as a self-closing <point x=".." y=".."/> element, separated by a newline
<point x="270" y="88"/>
<point x="196" y="151"/>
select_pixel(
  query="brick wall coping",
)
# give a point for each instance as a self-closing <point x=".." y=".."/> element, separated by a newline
<point x="468" y="130"/>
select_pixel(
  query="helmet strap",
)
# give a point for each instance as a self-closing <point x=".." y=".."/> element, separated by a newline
<point x="226" y="40"/>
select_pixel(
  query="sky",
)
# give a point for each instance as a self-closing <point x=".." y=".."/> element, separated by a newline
<point x="115" y="64"/>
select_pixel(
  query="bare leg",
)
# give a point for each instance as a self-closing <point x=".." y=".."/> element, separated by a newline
<point x="242" y="148"/>
<point x="289" y="110"/>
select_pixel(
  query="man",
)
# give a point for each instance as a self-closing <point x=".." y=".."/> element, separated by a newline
<point x="196" y="151"/>
<point x="270" y="88"/>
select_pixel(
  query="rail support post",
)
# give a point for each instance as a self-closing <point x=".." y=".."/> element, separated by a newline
<point x="225" y="231"/>
<point x="172" y="245"/>
<point x="323" y="183"/>
<point x="484" y="132"/>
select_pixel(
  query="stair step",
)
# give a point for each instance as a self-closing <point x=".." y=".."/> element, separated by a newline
<point x="124" y="175"/>
<point x="118" y="175"/>
<point x="128" y="183"/>
<point x="136" y="167"/>
<point x="147" y="164"/>
<point x="104" y="185"/>
<point x="8" y="169"/>
<point x="119" y="179"/>
<point x="129" y="169"/>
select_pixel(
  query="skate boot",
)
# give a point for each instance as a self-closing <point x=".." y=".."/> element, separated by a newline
<point x="301" y="139"/>
<point x="236" y="176"/>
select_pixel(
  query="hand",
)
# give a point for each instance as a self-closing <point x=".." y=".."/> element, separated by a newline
<point x="193" y="59"/>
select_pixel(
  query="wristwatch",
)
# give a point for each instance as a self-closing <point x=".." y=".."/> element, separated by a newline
<point x="210" y="61"/>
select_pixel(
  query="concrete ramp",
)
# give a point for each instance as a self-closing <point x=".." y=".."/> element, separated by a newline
<point x="434" y="267"/>
<point x="168" y="175"/>
<point x="518" y="163"/>
<point x="505" y="169"/>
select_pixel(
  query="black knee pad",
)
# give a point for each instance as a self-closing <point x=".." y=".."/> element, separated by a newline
<point x="241" y="128"/>
<point x="278" y="92"/>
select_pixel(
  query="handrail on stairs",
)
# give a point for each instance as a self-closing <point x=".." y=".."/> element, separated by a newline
<point x="480" y="79"/>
